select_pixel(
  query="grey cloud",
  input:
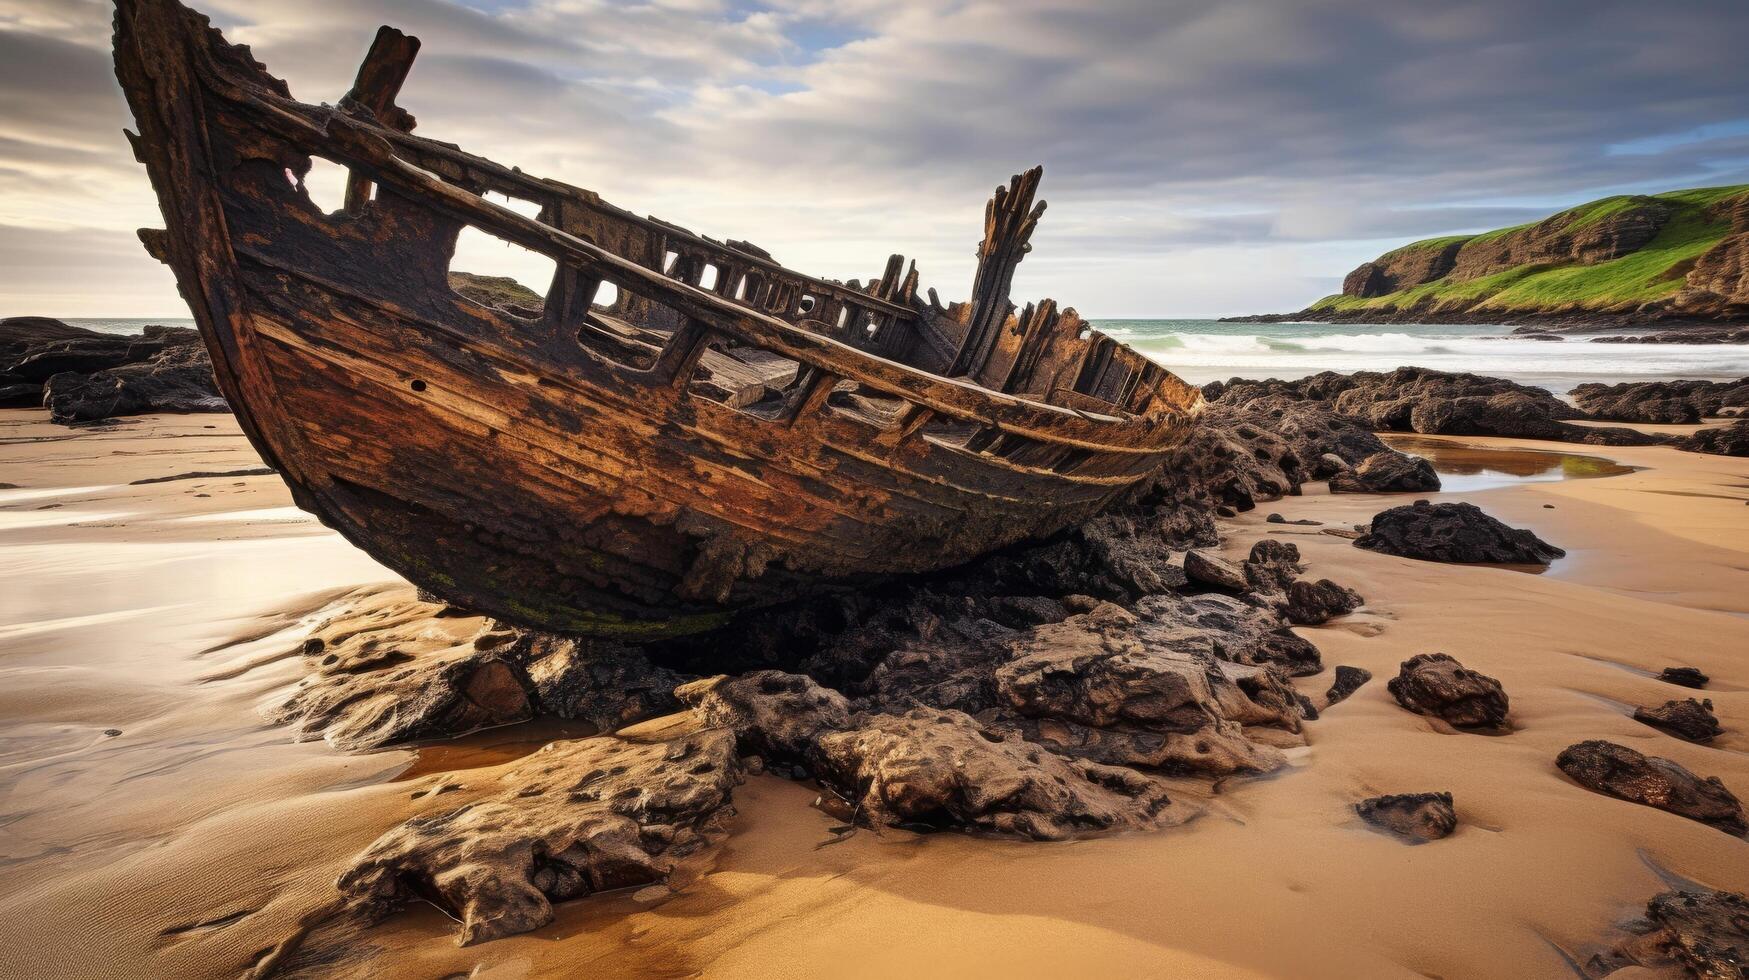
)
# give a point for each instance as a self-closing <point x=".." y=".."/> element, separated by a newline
<point x="1177" y="129"/>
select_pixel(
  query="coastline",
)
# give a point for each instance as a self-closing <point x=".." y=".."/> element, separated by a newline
<point x="1639" y="326"/>
<point x="214" y="833"/>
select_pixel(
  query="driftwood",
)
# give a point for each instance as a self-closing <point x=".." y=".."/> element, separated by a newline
<point x="714" y="432"/>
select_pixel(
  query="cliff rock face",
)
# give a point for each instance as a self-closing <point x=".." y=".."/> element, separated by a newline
<point x="1719" y="281"/>
<point x="1402" y="269"/>
<point x="1568" y="237"/>
<point x="1565" y="238"/>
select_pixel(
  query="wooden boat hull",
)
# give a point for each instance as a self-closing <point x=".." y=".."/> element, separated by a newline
<point x="517" y="466"/>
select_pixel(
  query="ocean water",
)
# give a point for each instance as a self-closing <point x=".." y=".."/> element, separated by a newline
<point x="1200" y="351"/>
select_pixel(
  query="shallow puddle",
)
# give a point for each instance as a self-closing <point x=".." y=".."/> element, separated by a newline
<point x="492" y="747"/>
<point x="1463" y="467"/>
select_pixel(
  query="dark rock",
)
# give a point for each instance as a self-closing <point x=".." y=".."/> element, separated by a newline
<point x="1112" y="667"/>
<point x="19" y="334"/>
<point x="1412" y="399"/>
<point x="1706" y="933"/>
<point x="1454" y="532"/>
<point x="1348" y="680"/>
<point x="1436" y="684"/>
<point x="82" y="355"/>
<point x="575" y="818"/>
<point x="1723" y="440"/>
<point x="1326" y="442"/>
<point x="941" y="769"/>
<point x="1278" y="519"/>
<point x="388" y="668"/>
<point x="1689" y="719"/>
<point x="1684" y="677"/>
<point x="1387" y="472"/>
<point x="1416" y="817"/>
<point x="1273" y="565"/>
<point x="23" y="395"/>
<point x="1232" y="459"/>
<point x="1315" y="603"/>
<point x="1224" y="628"/>
<point x="180" y="379"/>
<point x="1215" y="572"/>
<point x="1618" y="771"/>
<point x="1662" y="402"/>
<point x="609" y="685"/>
<point x="777" y="716"/>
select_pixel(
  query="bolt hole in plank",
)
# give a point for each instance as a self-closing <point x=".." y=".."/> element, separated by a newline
<point x="505" y="276"/>
<point x="417" y="384"/>
<point x="324" y="185"/>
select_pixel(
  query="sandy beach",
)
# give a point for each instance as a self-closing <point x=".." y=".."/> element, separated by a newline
<point x="193" y="840"/>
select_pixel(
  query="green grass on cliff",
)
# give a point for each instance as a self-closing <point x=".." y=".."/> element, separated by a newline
<point x="1654" y="272"/>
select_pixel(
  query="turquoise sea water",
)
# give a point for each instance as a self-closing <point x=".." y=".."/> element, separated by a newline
<point x="1207" y="350"/>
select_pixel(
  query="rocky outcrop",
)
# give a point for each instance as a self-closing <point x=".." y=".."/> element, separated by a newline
<point x="1430" y="402"/>
<point x="573" y="819"/>
<point x="178" y="380"/>
<point x="1686" y="719"/>
<point x="1415" y="817"/>
<point x="777" y="716"/>
<point x="1704" y="933"/>
<point x="926" y="768"/>
<point x="1437" y="684"/>
<point x="1454" y="532"/>
<point x="84" y="376"/>
<point x="1723" y="440"/>
<point x="1387" y="472"/>
<point x="386" y="668"/>
<point x="1006" y="696"/>
<point x="1234" y="459"/>
<point x="500" y="292"/>
<point x="1618" y="771"/>
<point x="940" y="769"/>
<point x="1661" y="401"/>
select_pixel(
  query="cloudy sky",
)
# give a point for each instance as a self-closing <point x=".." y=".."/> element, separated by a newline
<point x="1201" y="157"/>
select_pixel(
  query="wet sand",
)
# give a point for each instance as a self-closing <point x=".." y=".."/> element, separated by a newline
<point x="196" y="839"/>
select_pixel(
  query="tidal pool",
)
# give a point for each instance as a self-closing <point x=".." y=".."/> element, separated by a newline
<point x="1463" y="467"/>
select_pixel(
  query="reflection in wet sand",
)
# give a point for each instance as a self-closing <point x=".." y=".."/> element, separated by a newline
<point x="1463" y="467"/>
<point x="492" y="747"/>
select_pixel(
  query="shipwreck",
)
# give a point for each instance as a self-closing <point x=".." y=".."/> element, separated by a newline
<point x="683" y="428"/>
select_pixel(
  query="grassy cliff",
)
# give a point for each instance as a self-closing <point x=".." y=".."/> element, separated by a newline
<point x="1634" y="255"/>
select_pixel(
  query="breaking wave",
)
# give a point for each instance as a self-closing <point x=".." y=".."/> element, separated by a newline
<point x="1206" y="350"/>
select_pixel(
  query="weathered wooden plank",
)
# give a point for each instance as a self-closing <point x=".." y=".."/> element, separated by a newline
<point x="554" y="469"/>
